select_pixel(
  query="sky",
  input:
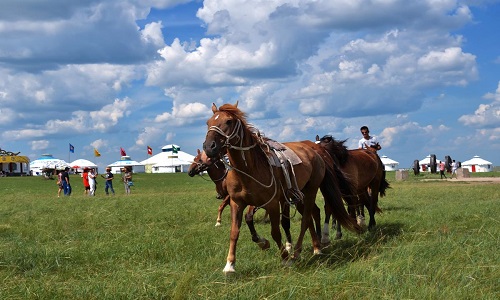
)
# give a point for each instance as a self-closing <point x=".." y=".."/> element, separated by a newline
<point x="423" y="75"/>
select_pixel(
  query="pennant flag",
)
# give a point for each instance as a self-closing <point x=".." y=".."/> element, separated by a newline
<point x="71" y="148"/>
<point x="150" y="151"/>
<point x="96" y="153"/>
<point x="175" y="149"/>
<point x="122" y="152"/>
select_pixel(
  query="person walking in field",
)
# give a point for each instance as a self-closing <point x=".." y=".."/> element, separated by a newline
<point x="109" y="182"/>
<point x="92" y="182"/>
<point x="454" y="167"/>
<point x="442" y="168"/>
<point x="127" y="179"/>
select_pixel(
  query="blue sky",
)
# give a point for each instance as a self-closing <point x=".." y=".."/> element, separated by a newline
<point x="423" y="75"/>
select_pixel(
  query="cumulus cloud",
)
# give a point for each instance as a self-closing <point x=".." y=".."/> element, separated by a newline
<point x="486" y="115"/>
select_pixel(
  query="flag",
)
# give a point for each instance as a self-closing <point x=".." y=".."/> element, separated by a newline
<point x="122" y="152"/>
<point x="175" y="149"/>
<point x="96" y="153"/>
<point x="150" y="151"/>
<point x="71" y="148"/>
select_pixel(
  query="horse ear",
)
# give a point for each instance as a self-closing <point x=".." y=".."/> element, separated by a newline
<point x="214" y="108"/>
<point x="198" y="151"/>
<point x="317" y="137"/>
<point x="236" y="104"/>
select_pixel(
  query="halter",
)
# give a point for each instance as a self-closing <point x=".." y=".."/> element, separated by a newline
<point x="238" y="134"/>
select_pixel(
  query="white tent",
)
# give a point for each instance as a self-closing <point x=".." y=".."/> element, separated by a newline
<point x="126" y="161"/>
<point x="80" y="164"/>
<point x="390" y="164"/>
<point x="477" y="164"/>
<point x="47" y="161"/>
<point x="425" y="164"/>
<point x="169" y="161"/>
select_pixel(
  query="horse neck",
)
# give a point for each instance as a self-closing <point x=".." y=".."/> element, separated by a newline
<point x="250" y="160"/>
<point x="217" y="171"/>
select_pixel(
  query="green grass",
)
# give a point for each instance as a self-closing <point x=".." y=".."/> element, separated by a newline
<point x="434" y="240"/>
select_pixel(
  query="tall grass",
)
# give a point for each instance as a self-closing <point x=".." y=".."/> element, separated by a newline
<point x="434" y="239"/>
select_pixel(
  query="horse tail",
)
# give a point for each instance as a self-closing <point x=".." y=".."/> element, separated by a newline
<point x="332" y="193"/>
<point x="384" y="185"/>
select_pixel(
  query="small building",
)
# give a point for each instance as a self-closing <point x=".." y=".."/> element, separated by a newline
<point x="170" y="160"/>
<point x="13" y="164"/>
<point x="47" y="162"/>
<point x="389" y="164"/>
<point x="477" y="164"/>
<point x="126" y="161"/>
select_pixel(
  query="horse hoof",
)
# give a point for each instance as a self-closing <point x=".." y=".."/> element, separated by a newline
<point x="361" y="221"/>
<point x="338" y="236"/>
<point x="229" y="268"/>
<point x="317" y="252"/>
<point x="287" y="263"/>
<point x="264" y="244"/>
<point x="288" y="247"/>
<point x="325" y="239"/>
<point x="218" y="224"/>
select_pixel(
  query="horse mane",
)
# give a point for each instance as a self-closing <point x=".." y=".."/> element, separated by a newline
<point x="337" y="148"/>
<point x="252" y="131"/>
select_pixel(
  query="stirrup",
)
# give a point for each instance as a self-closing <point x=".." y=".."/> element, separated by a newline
<point x="294" y="196"/>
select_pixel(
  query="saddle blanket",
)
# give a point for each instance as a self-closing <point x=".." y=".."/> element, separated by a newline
<point x="280" y="150"/>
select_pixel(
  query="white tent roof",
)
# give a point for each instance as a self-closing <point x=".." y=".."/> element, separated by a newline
<point x="425" y="161"/>
<point x="476" y="160"/>
<point x="168" y="158"/>
<point x="125" y="161"/>
<point x="82" y="163"/>
<point x="48" y="161"/>
<point x="387" y="161"/>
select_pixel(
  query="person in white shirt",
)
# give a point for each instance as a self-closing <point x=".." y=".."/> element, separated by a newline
<point x="368" y="141"/>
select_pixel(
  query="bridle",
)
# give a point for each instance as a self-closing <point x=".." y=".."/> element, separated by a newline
<point x="238" y="133"/>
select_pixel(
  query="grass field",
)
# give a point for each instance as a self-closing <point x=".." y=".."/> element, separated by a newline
<point x="434" y="240"/>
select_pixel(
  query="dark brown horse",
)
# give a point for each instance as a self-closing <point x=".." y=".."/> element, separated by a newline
<point x="253" y="180"/>
<point x="217" y="172"/>
<point x="365" y="171"/>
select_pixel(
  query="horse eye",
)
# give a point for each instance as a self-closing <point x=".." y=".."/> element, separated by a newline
<point x="229" y="122"/>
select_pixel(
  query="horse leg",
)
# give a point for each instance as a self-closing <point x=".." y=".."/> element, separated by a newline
<point x="285" y="224"/>
<point x="236" y="218"/>
<point x="306" y="209"/>
<point x="262" y="242"/>
<point x="372" y="208"/>
<point x="325" y="235"/>
<point x="274" y="218"/>
<point x="223" y="204"/>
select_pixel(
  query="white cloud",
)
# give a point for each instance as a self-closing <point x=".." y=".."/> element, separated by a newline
<point x="39" y="145"/>
<point x="486" y="115"/>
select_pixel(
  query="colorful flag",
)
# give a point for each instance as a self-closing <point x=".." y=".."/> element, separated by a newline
<point x="150" y="151"/>
<point x="71" y="148"/>
<point x="122" y="152"/>
<point x="175" y="149"/>
<point x="96" y="153"/>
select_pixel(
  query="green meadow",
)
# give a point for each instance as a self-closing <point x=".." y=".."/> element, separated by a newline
<point x="434" y="240"/>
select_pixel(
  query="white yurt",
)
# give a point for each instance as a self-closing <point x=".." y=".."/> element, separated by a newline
<point x="425" y="164"/>
<point x="47" y="161"/>
<point x="170" y="160"/>
<point x="126" y="161"/>
<point x="389" y="164"/>
<point x="477" y="164"/>
<point x="80" y="164"/>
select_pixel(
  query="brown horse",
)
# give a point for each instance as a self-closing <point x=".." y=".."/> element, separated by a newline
<point x="217" y="172"/>
<point x="253" y="180"/>
<point x="366" y="172"/>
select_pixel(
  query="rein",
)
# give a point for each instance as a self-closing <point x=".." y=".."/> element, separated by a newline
<point x="238" y="133"/>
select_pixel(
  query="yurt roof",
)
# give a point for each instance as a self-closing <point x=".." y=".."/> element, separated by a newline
<point x="82" y="163"/>
<point x="125" y="161"/>
<point x="426" y="160"/>
<point x="476" y="160"/>
<point x="165" y="158"/>
<point x="387" y="161"/>
<point x="48" y="161"/>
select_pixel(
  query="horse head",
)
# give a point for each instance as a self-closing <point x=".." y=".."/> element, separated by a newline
<point x="225" y="128"/>
<point x="201" y="163"/>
